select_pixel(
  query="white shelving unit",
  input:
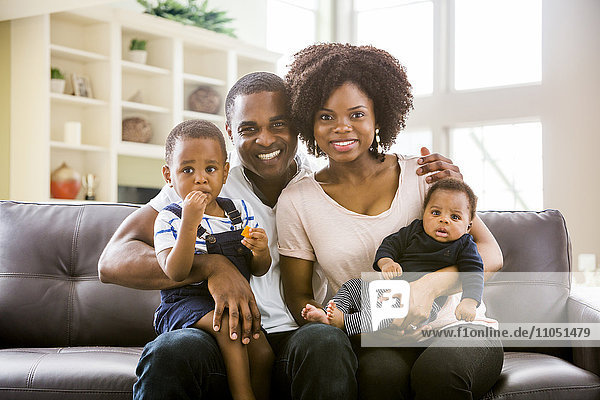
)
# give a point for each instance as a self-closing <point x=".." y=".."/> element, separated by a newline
<point x="94" y="43"/>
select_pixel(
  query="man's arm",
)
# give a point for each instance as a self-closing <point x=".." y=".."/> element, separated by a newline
<point x="129" y="260"/>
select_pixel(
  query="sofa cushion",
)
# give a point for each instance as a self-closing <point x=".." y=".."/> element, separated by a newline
<point x="50" y="294"/>
<point x="531" y="376"/>
<point x="68" y="373"/>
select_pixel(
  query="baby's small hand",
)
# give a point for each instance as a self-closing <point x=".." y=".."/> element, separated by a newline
<point x="466" y="310"/>
<point x="256" y="241"/>
<point x="391" y="270"/>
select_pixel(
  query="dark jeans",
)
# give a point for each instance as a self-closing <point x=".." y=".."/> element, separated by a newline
<point x="315" y="361"/>
<point x="430" y="372"/>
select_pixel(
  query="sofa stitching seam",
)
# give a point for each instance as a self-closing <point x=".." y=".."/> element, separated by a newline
<point x="72" y="262"/>
<point x="31" y="373"/>
<point x="27" y="275"/>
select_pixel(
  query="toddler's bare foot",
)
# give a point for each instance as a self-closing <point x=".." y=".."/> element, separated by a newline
<point x="314" y="314"/>
<point x="334" y="315"/>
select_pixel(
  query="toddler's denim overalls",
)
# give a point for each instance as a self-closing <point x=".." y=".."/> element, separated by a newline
<point x="183" y="307"/>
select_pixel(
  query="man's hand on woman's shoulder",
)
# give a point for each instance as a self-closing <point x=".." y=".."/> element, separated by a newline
<point x="442" y="167"/>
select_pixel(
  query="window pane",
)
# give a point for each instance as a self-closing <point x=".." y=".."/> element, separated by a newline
<point x="410" y="142"/>
<point x="497" y="42"/>
<point x="287" y="35"/>
<point x="502" y="163"/>
<point x="406" y="32"/>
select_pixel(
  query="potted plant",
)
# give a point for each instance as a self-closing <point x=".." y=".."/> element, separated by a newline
<point x="57" y="80"/>
<point x="137" y="51"/>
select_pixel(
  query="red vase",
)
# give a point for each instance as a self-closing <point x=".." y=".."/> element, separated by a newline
<point x="65" y="182"/>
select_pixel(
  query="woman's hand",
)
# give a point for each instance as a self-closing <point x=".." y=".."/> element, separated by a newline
<point x="437" y="162"/>
<point x="419" y="306"/>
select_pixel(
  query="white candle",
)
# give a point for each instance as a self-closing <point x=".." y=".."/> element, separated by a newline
<point x="73" y="133"/>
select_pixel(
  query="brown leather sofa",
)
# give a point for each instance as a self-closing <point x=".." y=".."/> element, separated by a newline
<point x="65" y="335"/>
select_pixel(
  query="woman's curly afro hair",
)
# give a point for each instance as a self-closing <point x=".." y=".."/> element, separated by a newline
<point x="319" y="69"/>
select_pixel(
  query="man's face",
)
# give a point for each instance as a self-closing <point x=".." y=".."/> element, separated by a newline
<point x="260" y="129"/>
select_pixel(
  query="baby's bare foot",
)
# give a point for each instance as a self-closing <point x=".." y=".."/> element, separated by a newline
<point x="314" y="314"/>
<point x="334" y="315"/>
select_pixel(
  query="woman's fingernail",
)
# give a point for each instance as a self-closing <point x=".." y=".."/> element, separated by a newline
<point x="234" y="336"/>
<point x="429" y="179"/>
<point x="419" y="170"/>
<point x="420" y="161"/>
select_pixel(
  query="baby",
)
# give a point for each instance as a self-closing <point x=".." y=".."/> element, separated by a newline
<point x="203" y="223"/>
<point x="440" y="239"/>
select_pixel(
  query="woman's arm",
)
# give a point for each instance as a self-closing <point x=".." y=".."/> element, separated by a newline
<point x="296" y="276"/>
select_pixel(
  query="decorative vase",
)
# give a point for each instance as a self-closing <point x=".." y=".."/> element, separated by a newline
<point x="65" y="182"/>
<point x="137" y="56"/>
<point x="57" y="85"/>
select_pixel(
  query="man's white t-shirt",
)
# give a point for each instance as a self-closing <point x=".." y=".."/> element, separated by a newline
<point x="267" y="289"/>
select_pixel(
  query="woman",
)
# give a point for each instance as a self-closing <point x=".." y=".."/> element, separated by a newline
<point x="349" y="103"/>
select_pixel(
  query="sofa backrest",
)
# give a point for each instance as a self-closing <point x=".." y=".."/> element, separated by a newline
<point x="50" y="294"/>
<point x="534" y="282"/>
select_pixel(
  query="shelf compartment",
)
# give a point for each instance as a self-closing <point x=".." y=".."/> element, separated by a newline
<point x="144" y="150"/>
<point x="85" y="162"/>
<point x="140" y="171"/>
<point x="205" y="62"/>
<point x="79" y="36"/>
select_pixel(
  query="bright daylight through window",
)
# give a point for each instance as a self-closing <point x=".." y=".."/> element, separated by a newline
<point x="497" y="43"/>
<point x="502" y="163"/>
<point x="403" y="29"/>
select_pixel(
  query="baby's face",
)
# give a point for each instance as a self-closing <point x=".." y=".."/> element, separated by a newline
<point x="447" y="217"/>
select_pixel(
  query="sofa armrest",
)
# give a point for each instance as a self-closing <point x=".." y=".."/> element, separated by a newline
<point x="585" y="310"/>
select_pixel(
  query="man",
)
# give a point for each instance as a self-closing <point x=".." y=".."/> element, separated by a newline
<point x="314" y="361"/>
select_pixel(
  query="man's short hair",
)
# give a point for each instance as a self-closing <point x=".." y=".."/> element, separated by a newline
<point x="454" y="185"/>
<point x="196" y="129"/>
<point x="254" y="82"/>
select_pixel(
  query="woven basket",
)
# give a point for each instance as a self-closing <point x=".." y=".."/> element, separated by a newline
<point x="205" y="100"/>
<point x="137" y="129"/>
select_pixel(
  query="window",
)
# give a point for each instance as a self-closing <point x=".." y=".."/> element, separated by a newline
<point x="410" y="142"/>
<point x="497" y="43"/>
<point x="405" y="30"/>
<point x="502" y="163"/>
<point x="291" y="26"/>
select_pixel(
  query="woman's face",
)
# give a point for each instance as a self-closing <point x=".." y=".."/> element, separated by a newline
<point x="345" y="126"/>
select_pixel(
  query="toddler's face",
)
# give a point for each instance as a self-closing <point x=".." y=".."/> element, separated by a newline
<point x="447" y="217"/>
<point x="198" y="164"/>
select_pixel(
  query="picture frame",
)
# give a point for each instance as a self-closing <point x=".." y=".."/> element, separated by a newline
<point x="81" y="85"/>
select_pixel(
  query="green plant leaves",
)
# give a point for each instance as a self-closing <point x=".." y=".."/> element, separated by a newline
<point x="190" y="14"/>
